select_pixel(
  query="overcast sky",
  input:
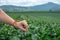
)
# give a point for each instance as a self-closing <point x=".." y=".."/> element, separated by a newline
<point x="26" y="2"/>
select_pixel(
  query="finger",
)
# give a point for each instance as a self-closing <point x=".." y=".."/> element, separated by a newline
<point x="25" y="23"/>
<point x="23" y="29"/>
<point x="25" y="26"/>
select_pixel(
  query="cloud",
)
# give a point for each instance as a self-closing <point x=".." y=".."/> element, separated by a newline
<point x="56" y="1"/>
<point x="26" y="2"/>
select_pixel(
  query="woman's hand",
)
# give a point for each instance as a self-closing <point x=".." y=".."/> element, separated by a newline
<point x="8" y="20"/>
<point x="22" y="25"/>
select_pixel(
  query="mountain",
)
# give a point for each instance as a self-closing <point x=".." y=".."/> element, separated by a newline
<point x="44" y="7"/>
<point x="12" y="8"/>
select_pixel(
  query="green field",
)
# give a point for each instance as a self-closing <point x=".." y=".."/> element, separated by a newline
<point x="41" y="25"/>
<point x="41" y="16"/>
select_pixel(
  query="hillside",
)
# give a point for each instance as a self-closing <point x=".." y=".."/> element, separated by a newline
<point x="45" y="7"/>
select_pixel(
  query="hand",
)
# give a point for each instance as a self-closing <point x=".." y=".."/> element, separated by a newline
<point x="22" y="25"/>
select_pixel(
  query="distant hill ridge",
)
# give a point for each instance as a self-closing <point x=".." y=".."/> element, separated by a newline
<point x="44" y="7"/>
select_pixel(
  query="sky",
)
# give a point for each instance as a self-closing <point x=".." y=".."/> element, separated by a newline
<point x="27" y="2"/>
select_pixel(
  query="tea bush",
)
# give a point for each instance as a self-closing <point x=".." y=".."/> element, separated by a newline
<point x="37" y="30"/>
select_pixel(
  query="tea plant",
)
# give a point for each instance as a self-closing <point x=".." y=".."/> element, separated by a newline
<point x="37" y="30"/>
